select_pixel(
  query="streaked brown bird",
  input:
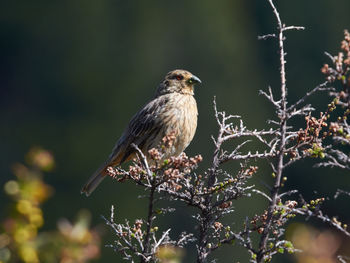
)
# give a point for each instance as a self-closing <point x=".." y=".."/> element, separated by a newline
<point x="173" y="110"/>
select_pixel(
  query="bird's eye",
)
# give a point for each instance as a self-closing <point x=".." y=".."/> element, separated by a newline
<point x="179" y="77"/>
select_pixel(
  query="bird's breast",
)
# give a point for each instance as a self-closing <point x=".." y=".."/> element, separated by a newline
<point x="180" y="118"/>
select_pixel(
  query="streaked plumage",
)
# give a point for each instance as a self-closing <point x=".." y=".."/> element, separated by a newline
<point x="173" y="109"/>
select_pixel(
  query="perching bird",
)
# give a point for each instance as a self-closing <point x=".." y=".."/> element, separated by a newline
<point x="173" y="110"/>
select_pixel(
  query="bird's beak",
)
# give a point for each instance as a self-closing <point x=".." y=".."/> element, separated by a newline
<point x="194" y="80"/>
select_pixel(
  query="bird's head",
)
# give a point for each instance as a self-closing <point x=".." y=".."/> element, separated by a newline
<point x="179" y="81"/>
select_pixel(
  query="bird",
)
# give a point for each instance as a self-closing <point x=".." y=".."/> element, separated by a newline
<point x="172" y="110"/>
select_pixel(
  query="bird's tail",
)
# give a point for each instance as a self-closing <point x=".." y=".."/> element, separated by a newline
<point x="94" y="180"/>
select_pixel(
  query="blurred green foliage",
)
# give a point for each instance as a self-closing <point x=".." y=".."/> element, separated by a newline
<point x="72" y="73"/>
<point x="20" y="238"/>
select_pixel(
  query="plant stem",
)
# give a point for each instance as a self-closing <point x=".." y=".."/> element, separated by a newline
<point x="283" y="129"/>
<point x="146" y="243"/>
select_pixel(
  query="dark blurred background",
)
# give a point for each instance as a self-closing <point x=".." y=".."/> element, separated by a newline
<point x="72" y="73"/>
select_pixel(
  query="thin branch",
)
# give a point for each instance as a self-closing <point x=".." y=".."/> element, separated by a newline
<point x="286" y="28"/>
<point x="339" y="192"/>
<point x="283" y="130"/>
<point x="321" y="87"/>
<point x="267" y="36"/>
<point x="249" y="155"/>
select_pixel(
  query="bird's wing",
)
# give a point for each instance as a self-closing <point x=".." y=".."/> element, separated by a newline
<point x="143" y="128"/>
